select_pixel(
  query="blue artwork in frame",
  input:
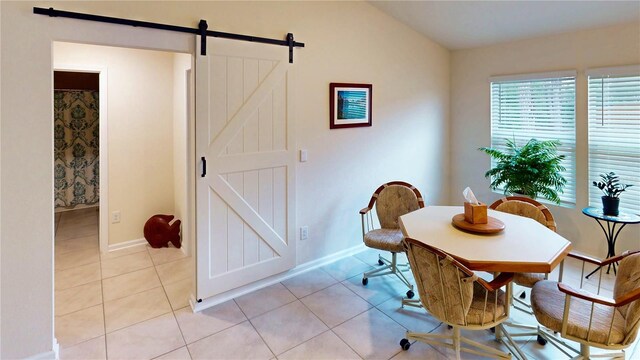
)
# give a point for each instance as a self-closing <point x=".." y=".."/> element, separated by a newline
<point x="350" y="105"/>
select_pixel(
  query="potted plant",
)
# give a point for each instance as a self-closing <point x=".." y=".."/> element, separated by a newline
<point x="532" y="170"/>
<point x="611" y="188"/>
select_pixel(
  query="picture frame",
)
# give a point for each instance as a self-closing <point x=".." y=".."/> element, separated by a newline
<point x="350" y="105"/>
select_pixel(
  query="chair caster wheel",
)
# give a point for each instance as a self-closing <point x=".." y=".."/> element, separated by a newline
<point x="365" y="281"/>
<point x="405" y="344"/>
<point x="493" y="330"/>
<point x="449" y="327"/>
<point x="542" y="341"/>
<point x="523" y="295"/>
<point x="410" y="294"/>
<point x="380" y="262"/>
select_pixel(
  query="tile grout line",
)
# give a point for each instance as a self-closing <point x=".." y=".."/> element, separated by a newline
<point x="278" y="307"/>
<point x="253" y="326"/>
<point x="356" y="315"/>
<point x="314" y="314"/>
<point x="173" y="313"/>
<point x="335" y="326"/>
<point x="239" y="307"/>
<point x="390" y="318"/>
<point x="261" y="338"/>
<point x="76" y="266"/>
<point x="633" y="350"/>
<point x="78" y="285"/>
<point x="126" y="273"/>
<point x="101" y="294"/>
<point x="311" y="293"/>
<point x="103" y="308"/>
<point x="165" y="263"/>
<point x="344" y="342"/>
<point x="81" y="309"/>
<point x="369" y="302"/>
<point x="329" y="329"/>
<point x="215" y="332"/>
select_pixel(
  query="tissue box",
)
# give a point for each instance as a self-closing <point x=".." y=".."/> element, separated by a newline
<point x="475" y="214"/>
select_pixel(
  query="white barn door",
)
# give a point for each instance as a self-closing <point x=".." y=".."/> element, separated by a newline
<point x="245" y="202"/>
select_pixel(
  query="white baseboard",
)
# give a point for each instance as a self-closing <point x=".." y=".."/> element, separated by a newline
<point x="56" y="348"/>
<point x="53" y="354"/>
<point x="127" y="244"/>
<point x="314" y="264"/>
<point x="49" y="355"/>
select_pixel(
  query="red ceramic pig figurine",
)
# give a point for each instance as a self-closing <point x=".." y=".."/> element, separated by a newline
<point x="159" y="233"/>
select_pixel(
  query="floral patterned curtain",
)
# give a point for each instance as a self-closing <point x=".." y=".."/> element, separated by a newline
<point x="76" y="135"/>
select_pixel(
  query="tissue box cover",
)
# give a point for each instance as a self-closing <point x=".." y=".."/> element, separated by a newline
<point x="475" y="214"/>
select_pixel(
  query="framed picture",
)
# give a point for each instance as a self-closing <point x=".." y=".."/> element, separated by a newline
<point x="350" y="105"/>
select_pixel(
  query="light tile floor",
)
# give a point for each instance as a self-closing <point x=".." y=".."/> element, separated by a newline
<point x="132" y="304"/>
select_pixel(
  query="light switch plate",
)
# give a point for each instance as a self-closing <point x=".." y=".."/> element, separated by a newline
<point x="115" y="217"/>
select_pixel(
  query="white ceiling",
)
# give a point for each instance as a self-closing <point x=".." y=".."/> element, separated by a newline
<point x="468" y="24"/>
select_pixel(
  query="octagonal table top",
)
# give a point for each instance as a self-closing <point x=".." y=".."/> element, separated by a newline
<point x="523" y="246"/>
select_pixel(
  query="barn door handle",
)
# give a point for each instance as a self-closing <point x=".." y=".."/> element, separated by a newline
<point x="204" y="167"/>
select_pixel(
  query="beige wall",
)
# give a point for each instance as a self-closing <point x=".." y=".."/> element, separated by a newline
<point x="346" y="42"/>
<point x="470" y="113"/>
<point x="140" y="131"/>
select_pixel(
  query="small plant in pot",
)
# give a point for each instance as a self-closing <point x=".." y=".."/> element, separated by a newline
<point x="611" y="188"/>
<point x="532" y="169"/>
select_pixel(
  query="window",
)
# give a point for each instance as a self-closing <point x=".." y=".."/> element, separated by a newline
<point x="540" y="106"/>
<point x="614" y="131"/>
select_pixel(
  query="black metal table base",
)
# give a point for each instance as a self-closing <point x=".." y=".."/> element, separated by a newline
<point x="612" y="236"/>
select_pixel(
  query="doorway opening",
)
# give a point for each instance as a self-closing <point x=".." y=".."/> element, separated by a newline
<point x="143" y="136"/>
<point x="140" y="125"/>
<point x="76" y="153"/>
<point x="76" y="140"/>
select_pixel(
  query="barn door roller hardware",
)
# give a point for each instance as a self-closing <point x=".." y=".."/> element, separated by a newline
<point x="201" y="30"/>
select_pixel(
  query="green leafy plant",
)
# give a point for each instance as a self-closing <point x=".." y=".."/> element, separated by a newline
<point x="610" y="185"/>
<point x="532" y="170"/>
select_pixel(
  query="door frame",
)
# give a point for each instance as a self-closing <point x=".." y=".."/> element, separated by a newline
<point x="188" y="221"/>
<point x="103" y="157"/>
<point x="116" y="36"/>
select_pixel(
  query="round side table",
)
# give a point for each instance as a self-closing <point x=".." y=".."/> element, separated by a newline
<point x="610" y="233"/>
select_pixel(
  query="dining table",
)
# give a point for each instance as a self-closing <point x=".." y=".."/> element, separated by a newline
<point x="508" y="243"/>
<point x="524" y="245"/>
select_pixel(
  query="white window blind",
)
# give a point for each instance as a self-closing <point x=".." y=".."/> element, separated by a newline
<point x="540" y="106"/>
<point x="614" y="132"/>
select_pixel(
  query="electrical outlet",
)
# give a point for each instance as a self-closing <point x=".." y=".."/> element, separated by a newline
<point x="304" y="233"/>
<point x="303" y="155"/>
<point x="115" y="217"/>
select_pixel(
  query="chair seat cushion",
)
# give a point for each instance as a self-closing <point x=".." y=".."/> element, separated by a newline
<point x="527" y="279"/>
<point x="548" y="306"/>
<point x="478" y="314"/>
<point x="385" y="239"/>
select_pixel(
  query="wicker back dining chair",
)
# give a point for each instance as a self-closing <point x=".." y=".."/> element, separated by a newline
<point x="391" y="200"/>
<point x="592" y="319"/>
<point x="526" y="207"/>
<point x="457" y="297"/>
